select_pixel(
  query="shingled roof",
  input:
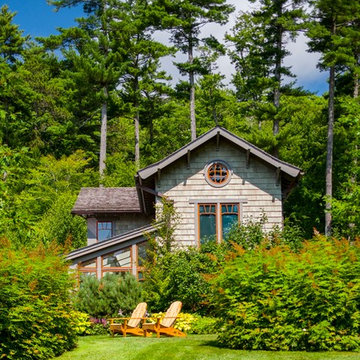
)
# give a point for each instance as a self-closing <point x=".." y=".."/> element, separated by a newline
<point x="100" y="200"/>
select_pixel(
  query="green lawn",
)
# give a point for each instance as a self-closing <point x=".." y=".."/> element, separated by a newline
<point x="193" y="347"/>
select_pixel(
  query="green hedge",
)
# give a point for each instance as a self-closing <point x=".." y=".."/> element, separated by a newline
<point x="273" y="298"/>
<point x="35" y="312"/>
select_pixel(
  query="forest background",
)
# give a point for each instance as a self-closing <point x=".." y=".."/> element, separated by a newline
<point x="92" y="105"/>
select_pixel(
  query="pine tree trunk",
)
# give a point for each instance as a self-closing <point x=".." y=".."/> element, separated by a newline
<point x="192" y="93"/>
<point x="329" y="152"/>
<point x="103" y="134"/>
<point x="137" y="139"/>
<point x="356" y="85"/>
<point x="136" y="124"/>
<point x="277" y="75"/>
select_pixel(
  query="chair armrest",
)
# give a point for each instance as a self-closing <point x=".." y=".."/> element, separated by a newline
<point x="158" y="319"/>
<point x="112" y="320"/>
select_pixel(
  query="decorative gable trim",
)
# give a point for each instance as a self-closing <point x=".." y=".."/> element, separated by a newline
<point x="218" y="132"/>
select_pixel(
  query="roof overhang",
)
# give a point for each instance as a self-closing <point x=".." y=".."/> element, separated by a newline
<point x="112" y="244"/>
<point x="218" y="132"/>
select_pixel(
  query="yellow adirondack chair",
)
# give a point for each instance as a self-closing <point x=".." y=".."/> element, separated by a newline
<point x="165" y="326"/>
<point x="129" y="325"/>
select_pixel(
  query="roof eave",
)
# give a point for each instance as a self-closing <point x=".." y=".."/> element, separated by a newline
<point x="286" y="168"/>
<point x="119" y="239"/>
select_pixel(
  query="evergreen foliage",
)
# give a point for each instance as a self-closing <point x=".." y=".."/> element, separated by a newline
<point x="113" y="295"/>
<point x="50" y="104"/>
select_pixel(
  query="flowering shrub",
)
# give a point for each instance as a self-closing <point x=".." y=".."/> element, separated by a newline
<point x="273" y="298"/>
<point x="35" y="310"/>
<point x="82" y="325"/>
<point x="192" y="323"/>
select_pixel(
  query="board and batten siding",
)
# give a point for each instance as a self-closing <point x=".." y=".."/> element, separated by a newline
<point x="255" y="186"/>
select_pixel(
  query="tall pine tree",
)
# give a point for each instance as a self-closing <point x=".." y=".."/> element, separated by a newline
<point x="328" y="36"/>
<point x="260" y="39"/>
<point x="185" y="20"/>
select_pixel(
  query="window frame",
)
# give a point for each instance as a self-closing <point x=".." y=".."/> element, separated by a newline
<point x="84" y="270"/>
<point x="216" y="220"/>
<point x="207" y="176"/>
<point x="221" y="204"/>
<point x="218" y="203"/>
<point x="116" y="269"/>
<point x="139" y="268"/>
<point x="97" y="229"/>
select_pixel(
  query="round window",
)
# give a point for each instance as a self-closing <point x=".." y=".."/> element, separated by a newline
<point x="217" y="173"/>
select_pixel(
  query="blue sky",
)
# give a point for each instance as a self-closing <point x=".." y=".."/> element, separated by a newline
<point x="37" y="18"/>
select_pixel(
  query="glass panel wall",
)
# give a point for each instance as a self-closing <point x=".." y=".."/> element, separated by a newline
<point x="117" y="261"/>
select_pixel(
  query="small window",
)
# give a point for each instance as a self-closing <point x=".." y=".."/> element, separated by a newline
<point x="217" y="173"/>
<point x="207" y="222"/>
<point x="229" y="217"/>
<point x="104" y="230"/>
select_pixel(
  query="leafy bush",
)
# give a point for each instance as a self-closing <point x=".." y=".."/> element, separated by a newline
<point x="251" y="234"/>
<point x="274" y="298"/>
<point x="179" y="276"/>
<point x="172" y="274"/>
<point x="35" y="310"/>
<point x="206" y="325"/>
<point x="193" y="323"/>
<point x="82" y="324"/>
<point x="106" y="297"/>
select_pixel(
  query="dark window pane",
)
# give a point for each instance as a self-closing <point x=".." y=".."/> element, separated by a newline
<point x="104" y="230"/>
<point x="235" y="208"/>
<point x="142" y="253"/>
<point x="201" y="208"/>
<point x="207" y="227"/>
<point x="140" y="276"/>
<point x="228" y="220"/>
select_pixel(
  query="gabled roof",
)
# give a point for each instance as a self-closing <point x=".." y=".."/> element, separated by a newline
<point x="286" y="168"/>
<point x="112" y="244"/>
<point x="99" y="200"/>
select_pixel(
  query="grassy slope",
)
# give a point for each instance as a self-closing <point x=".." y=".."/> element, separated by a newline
<point x="193" y="347"/>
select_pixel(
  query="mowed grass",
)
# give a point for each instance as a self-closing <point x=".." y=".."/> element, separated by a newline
<point x="193" y="347"/>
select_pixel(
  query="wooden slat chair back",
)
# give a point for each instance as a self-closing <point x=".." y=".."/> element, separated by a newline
<point x="137" y="315"/>
<point x="129" y="325"/>
<point x="171" y="314"/>
<point x="166" y="325"/>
